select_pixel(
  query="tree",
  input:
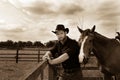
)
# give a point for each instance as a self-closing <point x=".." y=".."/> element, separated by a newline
<point x="50" y="44"/>
<point x="9" y="43"/>
<point x="15" y="45"/>
<point x="29" y="44"/>
<point x="20" y="45"/>
<point x="38" y="44"/>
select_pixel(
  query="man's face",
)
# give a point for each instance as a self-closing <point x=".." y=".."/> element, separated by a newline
<point x="61" y="35"/>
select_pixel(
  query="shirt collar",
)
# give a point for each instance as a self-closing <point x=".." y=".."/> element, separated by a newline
<point x="65" y="41"/>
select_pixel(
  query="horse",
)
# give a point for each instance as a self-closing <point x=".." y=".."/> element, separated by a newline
<point x="106" y="50"/>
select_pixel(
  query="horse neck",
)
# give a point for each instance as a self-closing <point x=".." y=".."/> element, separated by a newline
<point x="100" y="44"/>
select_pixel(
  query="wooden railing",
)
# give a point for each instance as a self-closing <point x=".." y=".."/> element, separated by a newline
<point x="42" y="72"/>
<point x="19" y="55"/>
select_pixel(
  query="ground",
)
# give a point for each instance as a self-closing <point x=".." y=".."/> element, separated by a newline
<point x="9" y="70"/>
<point x="13" y="71"/>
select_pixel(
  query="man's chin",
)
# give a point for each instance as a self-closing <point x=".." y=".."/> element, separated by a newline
<point x="60" y="39"/>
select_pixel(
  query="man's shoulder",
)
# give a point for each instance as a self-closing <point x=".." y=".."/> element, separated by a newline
<point x="73" y="41"/>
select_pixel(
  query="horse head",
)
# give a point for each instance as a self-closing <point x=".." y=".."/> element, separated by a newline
<point x="86" y="43"/>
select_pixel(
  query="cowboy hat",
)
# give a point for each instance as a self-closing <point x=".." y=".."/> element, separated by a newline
<point x="60" y="27"/>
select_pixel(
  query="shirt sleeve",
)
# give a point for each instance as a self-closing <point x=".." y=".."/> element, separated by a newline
<point x="72" y="49"/>
<point x="54" y="50"/>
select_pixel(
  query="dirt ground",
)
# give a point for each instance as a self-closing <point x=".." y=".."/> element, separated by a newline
<point x="9" y="70"/>
<point x="13" y="71"/>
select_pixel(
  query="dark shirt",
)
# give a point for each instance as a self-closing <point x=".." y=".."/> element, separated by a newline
<point x="70" y="47"/>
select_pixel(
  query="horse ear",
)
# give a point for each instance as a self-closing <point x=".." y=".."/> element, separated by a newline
<point x="118" y="33"/>
<point x="80" y="30"/>
<point x="93" y="29"/>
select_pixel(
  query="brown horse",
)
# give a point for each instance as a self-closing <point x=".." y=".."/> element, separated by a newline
<point x="106" y="50"/>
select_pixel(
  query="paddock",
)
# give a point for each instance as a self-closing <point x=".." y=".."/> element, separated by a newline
<point x="43" y="71"/>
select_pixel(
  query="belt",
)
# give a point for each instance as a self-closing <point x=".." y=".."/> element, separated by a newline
<point x="71" y="70"/>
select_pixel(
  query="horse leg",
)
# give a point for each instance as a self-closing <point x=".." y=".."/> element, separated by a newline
<point x="108" y="77"/>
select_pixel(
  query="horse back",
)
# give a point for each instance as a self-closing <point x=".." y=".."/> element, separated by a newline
<point x="114" y="55"/>
<point x="114" y="42"/>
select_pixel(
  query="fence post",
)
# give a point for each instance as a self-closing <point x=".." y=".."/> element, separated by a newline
<point x="42" y="75"/>
<point x="38" y="55"/>
<point x="51" y="73"/>
<point x="17" y="53"/>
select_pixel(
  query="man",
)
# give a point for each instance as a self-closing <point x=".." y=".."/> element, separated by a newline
<point x="68" y="51"/>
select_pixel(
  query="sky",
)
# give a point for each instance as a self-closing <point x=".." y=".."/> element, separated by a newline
<point x="33" y="20"/>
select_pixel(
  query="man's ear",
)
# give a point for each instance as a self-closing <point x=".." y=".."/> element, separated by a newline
<point x="80" y="30"/>
<point x="93" y="29"/>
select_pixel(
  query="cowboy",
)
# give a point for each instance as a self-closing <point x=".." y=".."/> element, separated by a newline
<point x="68" y="51"/>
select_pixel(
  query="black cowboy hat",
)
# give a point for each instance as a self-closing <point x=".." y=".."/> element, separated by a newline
<point x="60" y="27"/>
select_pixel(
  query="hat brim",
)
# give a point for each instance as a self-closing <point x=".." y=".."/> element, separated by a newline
<point x="66" y="30"/>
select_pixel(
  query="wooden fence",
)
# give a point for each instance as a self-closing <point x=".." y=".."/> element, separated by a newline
<point x="44" y="71"/>
<point x="22" y="55"/>
<point x="39" y="73"/>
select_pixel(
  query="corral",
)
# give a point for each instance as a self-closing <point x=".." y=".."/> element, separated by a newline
<point x="26" y="64"/>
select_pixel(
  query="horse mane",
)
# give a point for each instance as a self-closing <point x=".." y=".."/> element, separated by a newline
<point x="100" y="38"/>
<point x="102" y="41"/>
<point x="98" y="35"/>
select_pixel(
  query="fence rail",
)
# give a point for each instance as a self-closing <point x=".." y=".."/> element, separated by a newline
<point x="38" y="73"/>
<point x="19" y="55"/>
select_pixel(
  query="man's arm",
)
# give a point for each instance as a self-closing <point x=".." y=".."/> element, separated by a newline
<point x="58" y="60"/>
<point x="47" y="54"/>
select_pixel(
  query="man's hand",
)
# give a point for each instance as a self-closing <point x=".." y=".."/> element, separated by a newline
<point x="46" y="56"/>
<point x="49" y="60"/>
